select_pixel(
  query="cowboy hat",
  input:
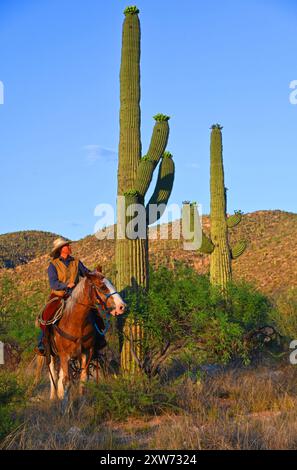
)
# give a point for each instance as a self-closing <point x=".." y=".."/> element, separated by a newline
<point x="57" y="244"/>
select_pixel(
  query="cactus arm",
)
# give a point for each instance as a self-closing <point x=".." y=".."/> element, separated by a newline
<point x="163" y="187"/>
<point x="234" y="220"/>
<point x="207" y="246"/>
<point x="144" y="175"/>
<point x="238" y="249"/>
<point x="159" y="138"/>
<point x="157" y="147"/>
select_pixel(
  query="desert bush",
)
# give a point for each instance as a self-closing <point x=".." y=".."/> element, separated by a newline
<point x="182" y="310"/>
<point x="248" y="306"/>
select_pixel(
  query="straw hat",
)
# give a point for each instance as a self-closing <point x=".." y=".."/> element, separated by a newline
<point x="57" y="244"/>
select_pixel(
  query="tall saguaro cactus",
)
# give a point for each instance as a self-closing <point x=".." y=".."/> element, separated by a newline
<point x="134" y="178"/>
<point x="217" y="245"/>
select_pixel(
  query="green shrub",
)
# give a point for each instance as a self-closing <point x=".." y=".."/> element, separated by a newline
<point x="183" y="310"/>
<point x="248" y="306"/>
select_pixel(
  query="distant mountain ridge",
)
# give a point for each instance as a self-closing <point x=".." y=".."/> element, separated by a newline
<point x="18" y="248"/>
<point x="269" y="262"/>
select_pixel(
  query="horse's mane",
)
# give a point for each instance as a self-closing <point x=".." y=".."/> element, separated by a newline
<point x="76" y="294"/>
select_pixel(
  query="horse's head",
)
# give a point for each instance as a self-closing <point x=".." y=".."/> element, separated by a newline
<point x="103" y="290"/>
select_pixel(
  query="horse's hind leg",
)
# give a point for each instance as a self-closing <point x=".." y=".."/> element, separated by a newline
<point x="53" y="379"/>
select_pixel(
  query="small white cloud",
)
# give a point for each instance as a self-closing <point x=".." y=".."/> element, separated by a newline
<point x="95" y="153"/>
<point x="193" y="165"/>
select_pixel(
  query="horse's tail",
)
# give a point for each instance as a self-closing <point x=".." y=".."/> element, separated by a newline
<point x="40" y="360"/>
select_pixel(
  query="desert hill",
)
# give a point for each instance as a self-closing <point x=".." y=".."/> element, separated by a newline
<point x="20" y="247"/>
<point x="270" y="260"/>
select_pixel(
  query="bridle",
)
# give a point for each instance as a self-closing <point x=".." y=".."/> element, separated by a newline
<point x="103" y="302"/>
<point x="96" y="304"/>
<point x="104" y="311"/>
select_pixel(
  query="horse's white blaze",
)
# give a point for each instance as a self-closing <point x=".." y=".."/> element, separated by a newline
<point x="116" y="297"/>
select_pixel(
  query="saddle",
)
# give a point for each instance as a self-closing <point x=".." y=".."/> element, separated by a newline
<point x="51" y="307"/>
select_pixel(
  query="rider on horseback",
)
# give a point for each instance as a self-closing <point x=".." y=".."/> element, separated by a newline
<point x="64" y="272"/>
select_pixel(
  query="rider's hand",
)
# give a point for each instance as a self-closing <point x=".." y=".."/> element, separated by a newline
<point x="71" y="285"/>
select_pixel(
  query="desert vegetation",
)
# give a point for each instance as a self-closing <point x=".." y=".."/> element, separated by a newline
<point x="203" y="373"/>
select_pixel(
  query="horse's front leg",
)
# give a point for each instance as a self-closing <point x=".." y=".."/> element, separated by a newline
<point x="64" y="382"/>
<point x="84" y="371"/>
<point x="60" y="391"/>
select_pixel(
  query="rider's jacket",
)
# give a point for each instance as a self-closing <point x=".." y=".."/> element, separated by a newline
<point x="66" y="273"/>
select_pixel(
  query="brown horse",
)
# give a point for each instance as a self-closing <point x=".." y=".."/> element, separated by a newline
<point x="74" y="337"/>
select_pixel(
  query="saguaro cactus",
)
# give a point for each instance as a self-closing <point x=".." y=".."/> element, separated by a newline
<point x="217" y="245"/>
<point x="134" y="178"/>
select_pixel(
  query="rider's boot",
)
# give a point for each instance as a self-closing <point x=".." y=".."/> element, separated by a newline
<point x="40" y="347"/>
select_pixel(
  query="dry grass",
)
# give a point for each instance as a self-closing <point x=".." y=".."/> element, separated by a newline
<point x="46" y="428"/>
<point x="239" y="409"/>
<point x="236" y="410"/>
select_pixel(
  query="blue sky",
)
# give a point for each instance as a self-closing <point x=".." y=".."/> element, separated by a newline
<point x="202" y="62"/>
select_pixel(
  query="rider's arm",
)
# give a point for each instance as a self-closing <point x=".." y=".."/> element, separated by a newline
<point x="82" y="269"/>
<point x="53" y="279"/>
